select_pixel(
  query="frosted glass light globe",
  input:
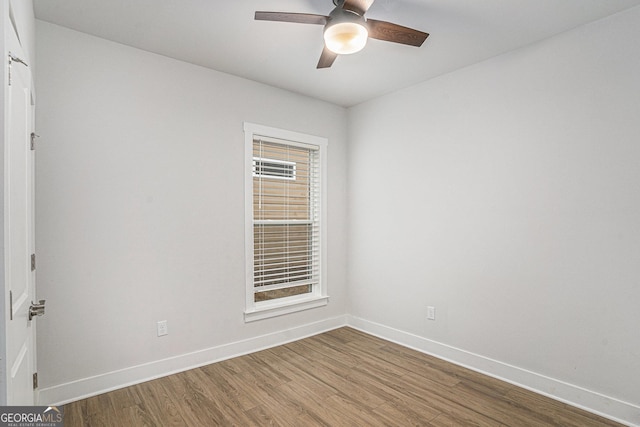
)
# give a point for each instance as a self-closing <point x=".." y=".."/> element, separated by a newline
<point x="346" y="37"/>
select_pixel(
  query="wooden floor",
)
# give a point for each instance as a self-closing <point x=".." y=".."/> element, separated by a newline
<point x="339" y="378"/>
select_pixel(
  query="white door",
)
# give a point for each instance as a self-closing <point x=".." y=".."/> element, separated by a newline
<point x="19" y="226"/>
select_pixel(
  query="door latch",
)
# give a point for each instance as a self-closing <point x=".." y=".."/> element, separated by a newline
<point x="36" y="309"/>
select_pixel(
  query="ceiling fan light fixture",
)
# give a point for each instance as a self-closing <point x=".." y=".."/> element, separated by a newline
<point x="345" y="38"/>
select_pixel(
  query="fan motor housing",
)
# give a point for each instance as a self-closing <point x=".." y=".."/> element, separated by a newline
<point x="339" y="15"/>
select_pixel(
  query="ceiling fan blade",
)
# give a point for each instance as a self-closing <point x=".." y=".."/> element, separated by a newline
<point x="327" y="58"/>
<point x="300" y="18"/>
<point x="358" y="6"/>
<point x="387" y="31"/>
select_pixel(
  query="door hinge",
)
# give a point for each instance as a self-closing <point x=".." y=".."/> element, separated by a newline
<point x="33" y="140"/>
<point x="33" y="262"/>
<point x="35" y="380"/>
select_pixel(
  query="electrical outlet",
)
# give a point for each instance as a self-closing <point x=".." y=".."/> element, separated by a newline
<point x="162" y="328"/>
<point x="431" y="313"/>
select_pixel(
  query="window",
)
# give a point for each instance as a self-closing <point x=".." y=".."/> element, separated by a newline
<point x="285" y="213"/>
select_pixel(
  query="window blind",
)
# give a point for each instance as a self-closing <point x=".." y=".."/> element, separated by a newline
<point x="286" y="218"/>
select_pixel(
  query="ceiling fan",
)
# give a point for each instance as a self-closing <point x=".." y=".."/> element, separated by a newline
<point x="346" y="30"/>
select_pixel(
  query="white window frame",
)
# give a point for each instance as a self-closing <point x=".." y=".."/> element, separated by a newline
<point x="318" y="297"/>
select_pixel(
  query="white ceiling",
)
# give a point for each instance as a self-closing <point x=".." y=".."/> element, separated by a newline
<point x="222" y="35"/>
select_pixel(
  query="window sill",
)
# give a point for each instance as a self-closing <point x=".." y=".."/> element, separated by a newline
<point x="274" y="310"/>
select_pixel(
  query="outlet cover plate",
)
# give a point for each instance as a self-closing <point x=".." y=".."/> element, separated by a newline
<point x="162" y="328"/>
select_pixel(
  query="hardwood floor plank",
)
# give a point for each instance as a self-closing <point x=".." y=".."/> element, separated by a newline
<point x="122" y="399"/>
<point x="260" y="416"/>
<point x="218" y="376"/>
<point x="287" y="404"/>
<point x="254" y="369"/>
<point x="342" y="377"/>
<point x="155" y="400"/>
<point x="195" y="408"/>
<point x="290" y="404"/>
<point x="75" y="414"/>
<point x="564" y="414"/>
<point x="346" y="411"/>
<point x="231" y="387"/>
<point x="106" y="418"/>
<point x="442" y="399"/>
<point x="327" y="349"/>
<point x="347" y="335"/>
<point x="299" y="377"/>
<point x="307" y="421"/>
<point x="397" y="353"/>
<point x="448" y="420"/>
<point x="335" y="374"/>
<point x="496" y="408"/>
<point x="395" y="365"/>
<point x="229" y="408"/>
<point x="274" y="407"/>
<point x="367" y="380"/>
<point x="134" y="416"/>
<point x="251" y="392"/>
<point x="98" y="404"/>
<point x="397" y="412"/>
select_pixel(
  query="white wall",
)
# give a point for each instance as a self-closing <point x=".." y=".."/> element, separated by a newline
<point x="140" y="215"/>
<point x="507" y="195"/>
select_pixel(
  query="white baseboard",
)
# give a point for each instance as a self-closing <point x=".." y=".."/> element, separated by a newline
<point x="605" y="406"/>
<point x="87" y="387"/>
